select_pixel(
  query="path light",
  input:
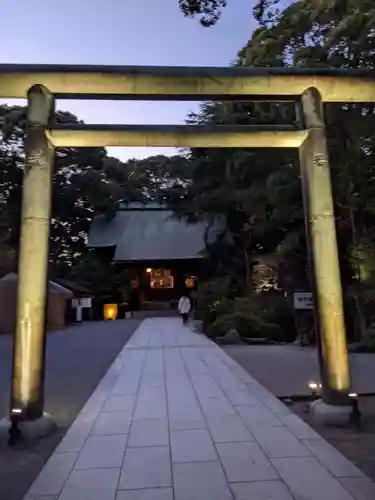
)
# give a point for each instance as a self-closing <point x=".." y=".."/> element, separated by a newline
<point x="14" y="430"/>
<point x="355" y="417"/>
<point x="314" y="387"/>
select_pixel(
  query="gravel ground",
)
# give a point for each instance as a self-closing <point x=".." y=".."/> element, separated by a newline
<point x="287" y="369"/>
<point x="77" y="359"/>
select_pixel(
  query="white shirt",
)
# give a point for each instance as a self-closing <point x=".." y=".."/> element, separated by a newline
<point x="184" y="305"/>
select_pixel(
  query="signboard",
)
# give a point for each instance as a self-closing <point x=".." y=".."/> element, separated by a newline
<point x="82" y="302"/>
<point x="303" y="301"/>
<point x="85" y="302"/>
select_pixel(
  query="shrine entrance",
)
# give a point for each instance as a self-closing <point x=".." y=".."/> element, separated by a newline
<point x="309" y="88"/>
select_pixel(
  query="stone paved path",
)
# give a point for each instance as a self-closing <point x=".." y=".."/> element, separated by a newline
<point x="175" y="418"/>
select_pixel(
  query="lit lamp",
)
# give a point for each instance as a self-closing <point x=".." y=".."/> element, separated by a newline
<point x="314" y="388"/>
<point x="355" y="417"/>
<point x="110" y="311"/>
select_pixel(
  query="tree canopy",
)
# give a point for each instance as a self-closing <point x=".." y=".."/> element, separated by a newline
<point x="259" y="191"/>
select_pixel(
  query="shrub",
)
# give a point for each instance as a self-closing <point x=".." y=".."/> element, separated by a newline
<point x="261" y="315"/>
<point x="209" y="295"/>
<point x="242" y="315"/>
<point x="278" y="310"/>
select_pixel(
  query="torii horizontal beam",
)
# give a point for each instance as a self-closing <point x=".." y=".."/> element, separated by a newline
<point x="187" y="83"/>
<point x="177" y="136"/>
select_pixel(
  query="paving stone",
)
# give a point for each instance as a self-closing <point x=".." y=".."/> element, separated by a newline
<point x="30" y="496"/>
<point x="278" y="442"/>
<point x="228" y="429"/>
<point x="215" y="407"/>
<point x="146" y="468"/>
<point x="151" y="432"/>
<point x="182" y="405"/>
<point x="275" y="405"/>
<point x="299" y="428"/>
<point x="327" y="455"/>
<point x="148" y="494"/>
<point x="255" y="416"/>
<point x="261" y="490"/>
<point x="182" y="423"/>
<point x="205" y="480"/>
<point x="112" y="423"/>
<point x="241" y="397"/>
<point x="91" y="485"/>
<point x="155" y="382"/>
<point x="40" y="497"/>
<point x="192" y="446"/>
<point x="115" y="403"/>
<point x="144" y="410"/>
<point x="102" y="451"/>
<point x="151" y="394"/>
<point x="178" y="407"/>
<point x="361" y="488"/>
<point x="307" y="479"/>
<point x="76" y="437"/>
<point x="53" y="476"/>
<point x="186" y="414"/>
<point x="245" y="462"/>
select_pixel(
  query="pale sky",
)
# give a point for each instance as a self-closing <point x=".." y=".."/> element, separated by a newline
<point x="141" y="32"/>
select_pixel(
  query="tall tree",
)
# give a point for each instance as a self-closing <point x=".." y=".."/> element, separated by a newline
<point x="83" y="184"/>
<point x="314" y="33"/>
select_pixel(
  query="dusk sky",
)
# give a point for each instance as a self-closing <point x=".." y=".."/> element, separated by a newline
<point x="142" y="32"/>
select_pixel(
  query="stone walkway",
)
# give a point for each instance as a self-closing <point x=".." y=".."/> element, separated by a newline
<point x="175" y="418"/>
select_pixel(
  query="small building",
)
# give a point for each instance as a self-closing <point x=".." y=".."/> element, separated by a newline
<point x="79" y="291"/>
<point x="80" y="306"/>
<point x="58" y="299"/>
<point x="159" y="254"/>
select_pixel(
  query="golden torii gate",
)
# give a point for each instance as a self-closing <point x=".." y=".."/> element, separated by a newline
<point x="309" y="87"/>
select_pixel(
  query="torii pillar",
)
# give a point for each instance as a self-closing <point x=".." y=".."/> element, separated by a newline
<point x="335" y="406"/>
<point x="27" y="396"/>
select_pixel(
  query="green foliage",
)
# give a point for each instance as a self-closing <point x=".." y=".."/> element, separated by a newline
<point x="242" y="315"/>
<point x="208" y="10"/>
<point x="259" y="191"/>
<point x="279" y="311"/>
<point x="211" y="295"/>
<point x="252" y="317"/>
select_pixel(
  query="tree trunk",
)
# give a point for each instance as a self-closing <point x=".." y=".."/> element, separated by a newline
<point x="247" y="272"/>
<point x="360" y="313"/>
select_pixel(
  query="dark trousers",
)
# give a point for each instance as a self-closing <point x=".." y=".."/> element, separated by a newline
<point x="185" y="317"/>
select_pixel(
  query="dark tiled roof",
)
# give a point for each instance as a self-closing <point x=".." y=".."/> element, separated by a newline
<point x="148" y="232"/>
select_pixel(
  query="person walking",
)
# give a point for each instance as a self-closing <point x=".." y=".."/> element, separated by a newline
<point x="184" y="306"/>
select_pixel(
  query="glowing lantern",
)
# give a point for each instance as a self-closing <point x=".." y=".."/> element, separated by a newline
<point x="110" y="311"/>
